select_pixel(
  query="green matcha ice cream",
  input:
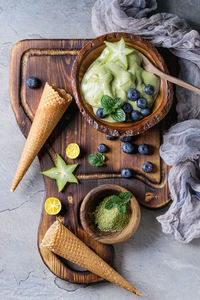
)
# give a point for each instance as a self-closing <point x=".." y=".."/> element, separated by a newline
<point x="114" y="74"/>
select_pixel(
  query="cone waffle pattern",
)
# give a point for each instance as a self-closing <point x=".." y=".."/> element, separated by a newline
<point x="64" y="243"/>
<point x="52" y="106"/>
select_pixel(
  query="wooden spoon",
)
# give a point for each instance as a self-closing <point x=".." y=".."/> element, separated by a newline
<point x="149" y="66"/>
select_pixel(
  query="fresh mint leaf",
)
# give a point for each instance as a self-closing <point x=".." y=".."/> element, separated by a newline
<point x="107" y="104"/>
<point x="118" y="202"/>
<point x="117" y="103"/>
<point x="122" y="208"/>
<point x="110" y="105"/>
<point x="107" y="101"/>
<point x="107" y="111"/>
<point x="109" y="204"/>
<point x="125" y="197"/>
<point x="113" y="202"/>
<point x="96" y="159"/>
<point x="119" y="115"/>
<point x="115" y="199"/>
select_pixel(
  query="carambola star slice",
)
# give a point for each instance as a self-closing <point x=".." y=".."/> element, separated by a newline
<point x="62" y="173"/>
<point x="118" y="52"/>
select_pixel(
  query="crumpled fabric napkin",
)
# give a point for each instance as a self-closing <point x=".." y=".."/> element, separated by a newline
<point x="181" y="145"/>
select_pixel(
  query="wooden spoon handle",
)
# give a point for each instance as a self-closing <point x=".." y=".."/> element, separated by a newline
<point x="177" y="81"/>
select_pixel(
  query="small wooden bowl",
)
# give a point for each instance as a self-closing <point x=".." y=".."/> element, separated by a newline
<point x="86" y="57"/>
<point x="88" y="206"/>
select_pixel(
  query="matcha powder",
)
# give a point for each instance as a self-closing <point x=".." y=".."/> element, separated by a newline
<point x="111" y="220"/>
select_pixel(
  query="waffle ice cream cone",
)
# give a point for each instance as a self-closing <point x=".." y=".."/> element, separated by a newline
<point x="64" y="243"/>
<point x="52" y="106"/>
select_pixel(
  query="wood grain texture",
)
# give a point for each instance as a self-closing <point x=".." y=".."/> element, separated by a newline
<point x="92" y="200"/>
<point x="51" y="60"/>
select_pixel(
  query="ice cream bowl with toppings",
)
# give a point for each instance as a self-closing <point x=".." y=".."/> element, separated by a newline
<point x="110" y="214"/>
<point x="113" y="91"/>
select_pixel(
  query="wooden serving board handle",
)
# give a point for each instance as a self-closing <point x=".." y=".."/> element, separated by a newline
<point x="22" y="65"/>
<point x="51" y="60"/>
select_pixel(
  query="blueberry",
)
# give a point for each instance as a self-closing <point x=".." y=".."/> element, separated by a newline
<point x="149" y="89"/>
<point x="127" y="107"/>
<point x="126" y="138"/>
<point x="145" y="112"/>
<point x="100" y="113"/>
<point x="33" y="83"/>
<point x="110" y="137"/>
<point x="147" y="167"/>
<point x="143" y="149"/>
<point x="129" y="148"/>
<point x="102" y="148"/>
<point x="132" y="95"/>
<point x="142" y="103"/>
<point x="135" y="115"/>
<point x="126" y="173"/>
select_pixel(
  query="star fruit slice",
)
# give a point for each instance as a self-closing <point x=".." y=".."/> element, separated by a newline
<point x="62" y="173"/>
<point x="118" y="52"/>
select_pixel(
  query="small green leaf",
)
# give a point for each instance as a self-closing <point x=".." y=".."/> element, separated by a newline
<point x="110" y="105"/>
<point x="109" y="204"/>
<point x="117" y="103"/>
<point x="113" y="202"/>
<point x="96" y="159"/>
<point x="115" y="198"/>
<point x="119" y="202"/>
<point x="125" y="197"/>
<point x="107" y="101"/>
<point x="119" y="115"/>
<point x="107" y="110"/>
<point x="122" y="208"/>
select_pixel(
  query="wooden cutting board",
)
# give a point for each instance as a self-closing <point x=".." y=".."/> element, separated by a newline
<point x="51" y="60"/>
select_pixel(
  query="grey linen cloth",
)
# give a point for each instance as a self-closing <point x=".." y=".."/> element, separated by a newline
<point x="181" y="145"/>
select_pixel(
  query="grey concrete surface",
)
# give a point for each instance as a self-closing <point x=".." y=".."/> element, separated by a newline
<point x="160" y="267"/>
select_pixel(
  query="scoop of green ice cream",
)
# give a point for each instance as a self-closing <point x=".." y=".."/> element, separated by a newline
<point x="106" y="76"/>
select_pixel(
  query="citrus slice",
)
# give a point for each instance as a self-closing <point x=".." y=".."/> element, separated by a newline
<point x="52" y="206"/>
<point x="72" y="150"/>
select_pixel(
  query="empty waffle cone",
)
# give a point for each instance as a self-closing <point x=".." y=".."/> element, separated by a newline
<point x="52" y="106"/>
<point x="64" y="243"/>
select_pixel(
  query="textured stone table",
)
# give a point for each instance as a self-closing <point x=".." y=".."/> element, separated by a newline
<point x="160" y="267"/>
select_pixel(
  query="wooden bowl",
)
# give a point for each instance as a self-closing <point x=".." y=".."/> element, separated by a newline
<point x="86" y="57"/>
<point x="88" y="206"/>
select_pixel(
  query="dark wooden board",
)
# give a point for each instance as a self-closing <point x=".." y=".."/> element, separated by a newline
<point x="51" y="60"/>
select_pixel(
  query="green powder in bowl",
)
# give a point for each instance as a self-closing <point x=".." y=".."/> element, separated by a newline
<point x="111" y="220"/>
